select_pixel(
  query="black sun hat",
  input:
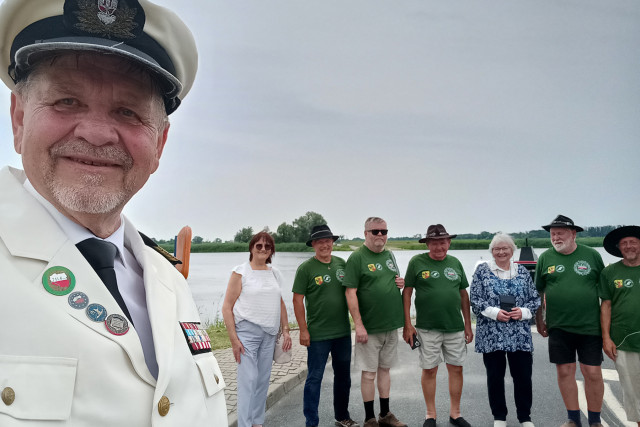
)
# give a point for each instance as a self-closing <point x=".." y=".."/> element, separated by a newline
<point x="612" y="239"/>
<point x="562" y="221"/>
<point x="138" y="30"/>
<point x="321" y="232"/>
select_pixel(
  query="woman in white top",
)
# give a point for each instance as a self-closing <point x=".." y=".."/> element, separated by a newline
<point x="253" y="312"/>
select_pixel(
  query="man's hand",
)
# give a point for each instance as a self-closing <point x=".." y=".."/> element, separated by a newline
<point x="609" y="347"/>
<point x="399" y="282"/>
<point x="305" y="338"/>
<point x="468" y="333"/>
<point x="407" y="334"/>
<point x="361" y="334"/>
<point x="542" y="328"/>
<point x="516" y="313"/>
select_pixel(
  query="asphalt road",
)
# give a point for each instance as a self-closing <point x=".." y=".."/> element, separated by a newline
<point x="408" y="404"/>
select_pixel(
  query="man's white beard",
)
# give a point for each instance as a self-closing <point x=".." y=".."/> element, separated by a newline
<point x="559" y="247"/>
<point x="87" y="195"/>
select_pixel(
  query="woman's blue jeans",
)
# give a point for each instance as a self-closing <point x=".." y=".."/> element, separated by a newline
<point x="317" y="355"/>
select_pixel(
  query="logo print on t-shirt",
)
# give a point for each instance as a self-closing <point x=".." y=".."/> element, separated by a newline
<point x="628" y="283"/>
<point x="319" y="280"/>
<point x="340" y="274"/>
<point x="618" y="283"/>
<point x="582" y="268"/>
<point x="371" y="267"/>
<point x="551" y="269"/>
<point x="560" y="268"/>
<point x="450" y="274"/>
<point x="435" y="274"/>
<point x="425" y="274"/>
<point x="327" y="278"/>
<point x="391" y="266"/>
<point x="379" y="266"/>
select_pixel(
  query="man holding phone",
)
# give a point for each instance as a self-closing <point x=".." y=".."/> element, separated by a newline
<point x="441" y="294"/>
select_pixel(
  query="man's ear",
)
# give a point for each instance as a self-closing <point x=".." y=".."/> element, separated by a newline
<point x="160" y="143"/>
<point x="17" y="121"/>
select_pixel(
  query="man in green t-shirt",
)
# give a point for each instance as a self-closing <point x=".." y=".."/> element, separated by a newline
<point x="567" y="279"/>
<point x="372" y="279"/>
<point x="620" y="293"/>
<point x="326" y="329"/>
<point x="443" y="319"/>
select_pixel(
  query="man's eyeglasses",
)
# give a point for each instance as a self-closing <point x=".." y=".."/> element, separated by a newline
<point x="375" y="232"/>
<point x="259" y="246"/>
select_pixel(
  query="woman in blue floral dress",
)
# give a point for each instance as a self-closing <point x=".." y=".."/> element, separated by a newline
<point x="504" y="299"/>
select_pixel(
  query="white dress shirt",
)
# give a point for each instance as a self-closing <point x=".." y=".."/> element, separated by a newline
<point x="128" y="274"/>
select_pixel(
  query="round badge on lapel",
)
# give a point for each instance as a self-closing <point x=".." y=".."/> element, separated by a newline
<point x="58" y="280"/>
<point x="117" y="324"/>
<point x="78" y="300"/>
<point x="96" y="312"/>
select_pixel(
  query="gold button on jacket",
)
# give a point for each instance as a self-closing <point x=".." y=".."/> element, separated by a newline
<point x="8" y="396"/>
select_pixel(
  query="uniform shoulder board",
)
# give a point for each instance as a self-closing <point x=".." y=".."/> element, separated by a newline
<point x="153" y="245"/>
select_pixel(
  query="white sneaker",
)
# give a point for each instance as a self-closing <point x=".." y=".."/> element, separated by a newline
<point x="527" y="424"/>
<point x="499" y="423"/>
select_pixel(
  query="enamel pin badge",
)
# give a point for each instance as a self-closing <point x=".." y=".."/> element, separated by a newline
<point x="58" y="280"/>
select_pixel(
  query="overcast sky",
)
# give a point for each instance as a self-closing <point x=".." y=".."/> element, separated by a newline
<point x="480" y="115"/>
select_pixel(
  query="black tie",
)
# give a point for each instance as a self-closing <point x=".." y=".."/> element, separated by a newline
<point x="101" y="255"/>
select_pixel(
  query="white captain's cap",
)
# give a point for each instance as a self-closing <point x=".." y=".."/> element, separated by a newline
<point x="138" y="30"/>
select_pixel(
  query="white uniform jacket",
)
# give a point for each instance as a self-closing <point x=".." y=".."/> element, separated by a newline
<point x="60" y="368"/>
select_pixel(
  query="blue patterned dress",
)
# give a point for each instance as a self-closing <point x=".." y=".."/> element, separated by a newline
<point x="493" y="335"/>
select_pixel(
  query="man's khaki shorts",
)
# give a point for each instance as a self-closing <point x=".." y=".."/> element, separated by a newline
<point x="436" y="344"/>
<point x="628" y="366"/>
<point x="380" y="351"/>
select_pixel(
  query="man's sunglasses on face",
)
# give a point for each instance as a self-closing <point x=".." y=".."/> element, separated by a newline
<point x="376" y="232"/>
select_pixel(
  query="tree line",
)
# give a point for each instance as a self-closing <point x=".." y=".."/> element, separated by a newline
<point x="299" y="229"/>
<point x="296" y="232"/>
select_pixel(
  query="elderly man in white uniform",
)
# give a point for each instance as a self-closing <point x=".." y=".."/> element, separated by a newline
<point x="97" y="326"/>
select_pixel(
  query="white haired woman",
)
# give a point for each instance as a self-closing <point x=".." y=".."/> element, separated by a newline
<point x="504" y="299"/>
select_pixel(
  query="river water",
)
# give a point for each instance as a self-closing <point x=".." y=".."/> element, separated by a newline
<point x="209" y="273"/>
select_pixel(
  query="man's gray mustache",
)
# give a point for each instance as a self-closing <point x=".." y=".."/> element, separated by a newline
<point x="106" y="153"/>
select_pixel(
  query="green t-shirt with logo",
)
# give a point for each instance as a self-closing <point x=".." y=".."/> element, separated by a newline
<point x="570" y="284"/>
<point x="438" y="285"/>
<point x="621" y="285"/>
<point x="324" y="298"/>
<point x="373" y="275"/>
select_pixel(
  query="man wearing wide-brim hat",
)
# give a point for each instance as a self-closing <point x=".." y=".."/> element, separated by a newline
<point x="326" y="328"/>
<point x="441" y="296"/>
<point x="567" y="275"/>
<point x="98" y="328"/>
<point x="620" y="315"/>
